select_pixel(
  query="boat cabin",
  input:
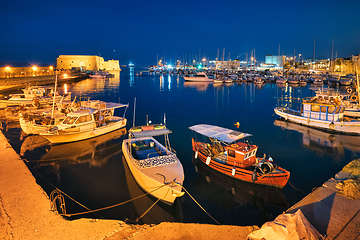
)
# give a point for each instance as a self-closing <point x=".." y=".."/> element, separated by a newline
<point x="323" y="111"/>
<point x="32" y="92"/>
<point x="241" y="154"/>
<point x="80" y="120"/>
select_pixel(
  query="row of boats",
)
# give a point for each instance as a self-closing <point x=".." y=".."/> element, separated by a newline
<point x="259" y="79"/>
<point x="155" y="166"/>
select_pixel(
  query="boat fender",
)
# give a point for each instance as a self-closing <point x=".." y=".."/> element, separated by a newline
<point x="233" y="171"/>
<point x="196" y="154"/>
<point x="254" y="176"/>
<point x="353" y="98"/>
<point x="207" y="179"/>
<point x="208" y="160"/>
<point x="233" y="191"/>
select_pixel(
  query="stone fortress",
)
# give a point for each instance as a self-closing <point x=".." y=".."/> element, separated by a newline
<point x="86" y="63"/>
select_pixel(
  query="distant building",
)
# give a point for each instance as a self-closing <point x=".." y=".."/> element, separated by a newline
<point x="31" y="71"/>
<point x="84" y="63"/>
<point x="348" y="65"/>
<point x="229" y="65"/>
<point x="277" y="60"/>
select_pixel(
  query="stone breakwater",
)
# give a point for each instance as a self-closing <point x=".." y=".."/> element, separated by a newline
<point x="12" y="84"/>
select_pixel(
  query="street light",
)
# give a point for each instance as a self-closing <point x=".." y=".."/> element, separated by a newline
<point x="7" y="71"/>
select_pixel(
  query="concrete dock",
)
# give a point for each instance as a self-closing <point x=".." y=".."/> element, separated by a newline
<point x="25" y="213"/>
<point x="333" y="215"/>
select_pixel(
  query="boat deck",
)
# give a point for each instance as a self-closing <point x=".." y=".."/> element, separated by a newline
<point x="143" y="150"/>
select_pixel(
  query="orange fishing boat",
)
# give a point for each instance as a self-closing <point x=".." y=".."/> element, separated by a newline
<point x="225" y="153"/>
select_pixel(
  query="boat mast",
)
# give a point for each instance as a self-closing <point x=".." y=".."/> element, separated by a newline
<point x="53" y="106"/>
<point x="134" y="112"/>
<point x="357" y="83"/>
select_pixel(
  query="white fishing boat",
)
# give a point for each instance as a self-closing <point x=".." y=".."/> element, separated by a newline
<point x="281" y="80"/>
<point x="155" y="167"/>
<point x="37" y="123"/>
<point x="94" y="118"/>
<point x="199" y="77"/>
<point x="293" y="80"/>
<point x="97" y="75"/>
<point x="33" y="95"/>
<point x="346" y="80"/>
<point x="259" y="80"/>
<point x="219" y="80"/>
<point x="325" y="113"/>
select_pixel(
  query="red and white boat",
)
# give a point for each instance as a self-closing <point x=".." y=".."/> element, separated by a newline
<point x="226" y="154"/>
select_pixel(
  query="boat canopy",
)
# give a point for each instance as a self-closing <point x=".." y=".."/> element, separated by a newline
<point x="149" y="131"/>
<point x="219" y="133"/>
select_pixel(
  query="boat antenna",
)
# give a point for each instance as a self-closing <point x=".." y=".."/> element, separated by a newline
<point x="53" y="106"/>
<point x="134" y="112"/>
<point x="164" y="119"/>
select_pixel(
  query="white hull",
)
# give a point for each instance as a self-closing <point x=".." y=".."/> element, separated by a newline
<point x="30" y="128"/>
<point x="60" y="137"/>
<point x="152" y="178"/>
<point x="352" y="112"/>
<point x="351" y="127"/>
<point x="196" y="79"/>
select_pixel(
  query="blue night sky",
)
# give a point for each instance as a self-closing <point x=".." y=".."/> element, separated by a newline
<point x="144" y="31"/>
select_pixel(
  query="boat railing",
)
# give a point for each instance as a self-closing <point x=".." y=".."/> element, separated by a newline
<point x="157" y="153"/>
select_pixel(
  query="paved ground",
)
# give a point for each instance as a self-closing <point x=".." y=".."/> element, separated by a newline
<point x="25" y="214"/>
<point x="333" y="215"/>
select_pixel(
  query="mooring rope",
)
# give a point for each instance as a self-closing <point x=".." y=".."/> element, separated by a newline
<point x="112" y="206"/>
<point x="200" y="205"/>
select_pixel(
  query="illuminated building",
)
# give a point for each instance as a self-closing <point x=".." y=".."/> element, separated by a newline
<point x="277" y="60"/>
<point x="85" y="62"/>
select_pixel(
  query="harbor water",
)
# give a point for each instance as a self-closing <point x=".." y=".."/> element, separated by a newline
<point x="94" y="174"/>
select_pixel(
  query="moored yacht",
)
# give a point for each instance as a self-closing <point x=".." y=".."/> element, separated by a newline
<point x="199" y="77"/>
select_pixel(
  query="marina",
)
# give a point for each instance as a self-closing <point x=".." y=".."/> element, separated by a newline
<point x="73" y="170"/>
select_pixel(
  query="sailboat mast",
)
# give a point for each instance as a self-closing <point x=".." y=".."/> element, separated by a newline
<point x="53" y="106"/>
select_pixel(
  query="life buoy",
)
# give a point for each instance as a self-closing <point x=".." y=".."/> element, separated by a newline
<point x="353" y="98"/>
<point x="349" y="90"/>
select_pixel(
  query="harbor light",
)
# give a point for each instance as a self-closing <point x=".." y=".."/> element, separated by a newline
<point x="34" y="68"/>
<point x="65" y="89"/>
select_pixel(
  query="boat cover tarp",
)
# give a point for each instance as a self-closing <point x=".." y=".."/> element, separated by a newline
<point x="286" y="226"/>
<point x="219" y="133"/>
<point x="151" y="133"/>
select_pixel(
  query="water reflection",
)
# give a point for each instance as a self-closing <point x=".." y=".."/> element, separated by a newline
<point x="238" y="193"/>
<point x="160" y="212"/>
<point x="200" y="86"/>
<point x="95" y="151"/>
<point x="323" y="142"/>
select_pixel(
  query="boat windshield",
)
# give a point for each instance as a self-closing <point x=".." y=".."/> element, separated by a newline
<point x="69" y="120"/>
<point x="82" y="119"/>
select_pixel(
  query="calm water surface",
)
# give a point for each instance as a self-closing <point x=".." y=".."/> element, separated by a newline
<point x="93" y="172"/>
